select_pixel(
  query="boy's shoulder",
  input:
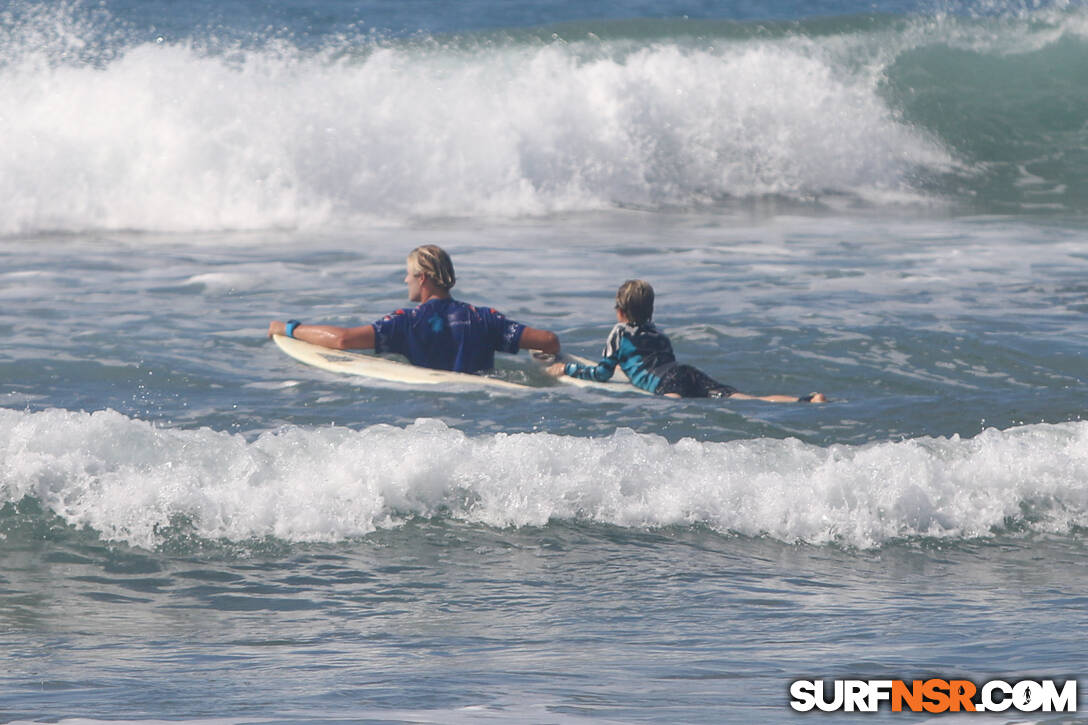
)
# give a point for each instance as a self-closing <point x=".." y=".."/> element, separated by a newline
<point x="621" y="330"/>
<point x="648" y="329"/>
<point x="637" y="337"/>
<point x="626" y="329"/>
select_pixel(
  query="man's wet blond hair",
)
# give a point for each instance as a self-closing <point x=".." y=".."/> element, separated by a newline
<point x="635" y="299"/>
<point x="432" y="260"/>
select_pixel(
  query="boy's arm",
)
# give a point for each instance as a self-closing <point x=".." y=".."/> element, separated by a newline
<point x="601" y="372"/>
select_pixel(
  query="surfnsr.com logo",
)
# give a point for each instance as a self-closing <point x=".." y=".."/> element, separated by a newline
<point x="933" y="695"/>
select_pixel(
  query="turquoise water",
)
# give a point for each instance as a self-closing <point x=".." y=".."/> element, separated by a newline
<point x="885" y="205"/>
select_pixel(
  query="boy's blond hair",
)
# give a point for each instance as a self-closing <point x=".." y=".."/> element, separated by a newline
<point x="635" y="299"/>
<point x="432" y="260"/>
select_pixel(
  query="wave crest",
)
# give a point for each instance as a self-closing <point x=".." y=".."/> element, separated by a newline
<point x="104" y="131"/>
<point x="129" y="480"/>
<point x="174" y="137"/>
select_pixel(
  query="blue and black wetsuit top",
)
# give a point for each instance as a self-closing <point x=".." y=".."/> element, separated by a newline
<point x="445" y="334"/>
<point x="642" y="352"/>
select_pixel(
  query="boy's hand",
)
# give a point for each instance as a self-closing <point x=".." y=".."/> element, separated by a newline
<point x="555" y="369"/>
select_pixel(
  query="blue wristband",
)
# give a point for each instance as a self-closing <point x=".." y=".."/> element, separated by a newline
<point x="289" y="328"/>
<point x="569" y="368"/>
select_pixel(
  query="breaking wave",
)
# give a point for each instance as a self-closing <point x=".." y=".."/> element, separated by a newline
<point x="103" y="131"/>
<point x="131" y="481"/>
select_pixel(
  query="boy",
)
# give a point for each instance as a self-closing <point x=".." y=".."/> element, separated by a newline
<point x="645" y="355"/>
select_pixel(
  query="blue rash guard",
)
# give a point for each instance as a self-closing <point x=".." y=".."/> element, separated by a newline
<point x="445" y="334"/>
<point x="642" y="352"/>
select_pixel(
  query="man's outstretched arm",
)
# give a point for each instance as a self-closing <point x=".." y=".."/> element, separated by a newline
<point x="543" y="340"/>
<point x="338" y="338"/>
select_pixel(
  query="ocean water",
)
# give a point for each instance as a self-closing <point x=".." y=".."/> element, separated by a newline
<point x="885" y="202"/>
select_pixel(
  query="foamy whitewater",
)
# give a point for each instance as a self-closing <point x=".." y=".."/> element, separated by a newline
<point x="129" y="481"/>
<point x="883" y="203"/>
<point x="120" y="128"/>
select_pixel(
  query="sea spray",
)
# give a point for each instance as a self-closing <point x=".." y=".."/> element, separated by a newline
<point x="177" y="136"/>
<point x="128" y="480"/>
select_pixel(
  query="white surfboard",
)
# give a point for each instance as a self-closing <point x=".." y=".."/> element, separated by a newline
<point x="379" y="368"/>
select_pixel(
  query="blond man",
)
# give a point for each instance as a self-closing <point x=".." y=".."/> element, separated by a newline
<point x="440" y="333"/>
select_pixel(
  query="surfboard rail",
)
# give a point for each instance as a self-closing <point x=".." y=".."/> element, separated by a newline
<point x="361" y="364"/>
<point x="348" y="362"/>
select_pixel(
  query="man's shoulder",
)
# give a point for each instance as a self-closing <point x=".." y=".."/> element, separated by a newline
<point x="446" y="304"/>
<point x="479" y="311"/>
<point x="397" y="313"/>
<point x="446" y="307"/>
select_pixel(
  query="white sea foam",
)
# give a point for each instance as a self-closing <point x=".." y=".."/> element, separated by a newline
<point x="127" y="479"/>
<point x="161" y="136"/>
